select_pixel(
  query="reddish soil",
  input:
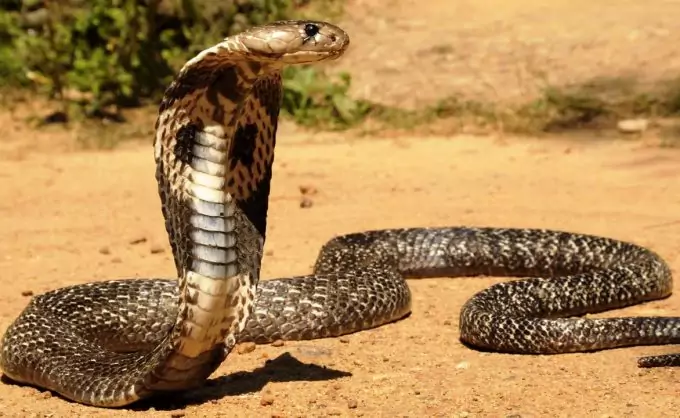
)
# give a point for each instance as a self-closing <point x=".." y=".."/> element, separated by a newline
<point x="70" y="216"/>
<point x="74" y="217"/>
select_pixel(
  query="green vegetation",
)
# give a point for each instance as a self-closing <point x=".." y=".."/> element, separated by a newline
<point x="313" y="98"/>
<point x="95" y="57"/>
<point x="100" y="55"/>
<point x="596" y="104"/>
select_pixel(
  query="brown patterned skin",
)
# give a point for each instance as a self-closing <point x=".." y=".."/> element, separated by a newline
<point x="358" y="283"/>
<point x="111" y="343"/>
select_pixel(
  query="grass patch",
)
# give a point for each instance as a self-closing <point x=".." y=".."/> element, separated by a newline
<point x="95" y="58"/>
<point x="100" y="56"/>
<point x="594" y="105"/>
<point x="313" y="99"/>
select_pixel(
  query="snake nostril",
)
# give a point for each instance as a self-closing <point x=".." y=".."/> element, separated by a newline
<point x="333" y="38"/>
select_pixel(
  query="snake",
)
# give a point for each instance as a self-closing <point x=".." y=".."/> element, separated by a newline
<point x="114" y="342"/>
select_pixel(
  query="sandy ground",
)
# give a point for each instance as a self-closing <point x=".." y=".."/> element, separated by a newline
<point x="70" y="216"/>
<point x="406" y="54"/>
<point x="74" y="217"/>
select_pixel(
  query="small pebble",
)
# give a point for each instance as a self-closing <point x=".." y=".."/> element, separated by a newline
<point x="306" y="202"/>
<point x="334" y="412"/>
<point x="631" y="126"/>
<point x="463" y="365"/>
<point x="312" y="351"/>
<point x="463" y="414"/>
<point x="116" y="260"/>
<point x="269" y="253"/>
<point x="277" y="343"/>
<point x="344" y="339"/>
<point x="308" y="190"/>
<point x="177" y="414"/>
<point x="104" y="250"/>
<point x="267" y="399"/>
<point x="26" y="293"/>
<point x="447" y="322"/>
<point x="156" y="249"/>
<point x="246" y="348"/>
<point x="352" y="403"/>
<point x="138" y="240"/>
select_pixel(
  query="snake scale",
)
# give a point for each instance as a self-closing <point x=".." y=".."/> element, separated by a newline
<point x="112" y="343"/>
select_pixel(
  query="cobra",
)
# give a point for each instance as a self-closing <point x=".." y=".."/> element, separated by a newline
<point x="115" y="342"/>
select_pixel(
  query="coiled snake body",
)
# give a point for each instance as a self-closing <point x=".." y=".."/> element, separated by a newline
<point x="112" y="343"/>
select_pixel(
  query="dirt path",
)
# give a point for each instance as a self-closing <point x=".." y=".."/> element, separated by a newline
<point x="74" y="217"/>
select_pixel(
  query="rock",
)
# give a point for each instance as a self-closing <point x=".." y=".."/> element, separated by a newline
<point x="55" y="117"/>
<point x="138" y="240"/>
<point x="157" y="249"/>
<point x="26" y="293"/>
<point x="352" y="403"/>
<point x="463" y="365"/>
<point x="306" y="202"/>
<point x="105" y="250"/>
<point x="278" y="343"/>
<point x="308" y="190"/>
<point x="344" y="339"/>
<point x="632" y="126"/>
<point x="267" y="399"/>
<point x="246" y="348"/>
<point x="312" y="351"/>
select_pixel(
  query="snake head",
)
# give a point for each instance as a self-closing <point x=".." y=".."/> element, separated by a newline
<point x="296" y="41"/>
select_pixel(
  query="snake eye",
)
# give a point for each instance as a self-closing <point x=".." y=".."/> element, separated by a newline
<point x="311" y="29"/>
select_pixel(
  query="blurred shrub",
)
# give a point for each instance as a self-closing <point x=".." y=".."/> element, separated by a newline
<point x="100" y="53"/>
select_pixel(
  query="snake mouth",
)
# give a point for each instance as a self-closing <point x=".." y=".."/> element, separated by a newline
<point x="308" y="57"/>
<point x="300" y="57"/>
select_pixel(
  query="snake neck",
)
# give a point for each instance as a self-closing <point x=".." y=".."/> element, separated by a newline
<point x="214" y="149"/>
